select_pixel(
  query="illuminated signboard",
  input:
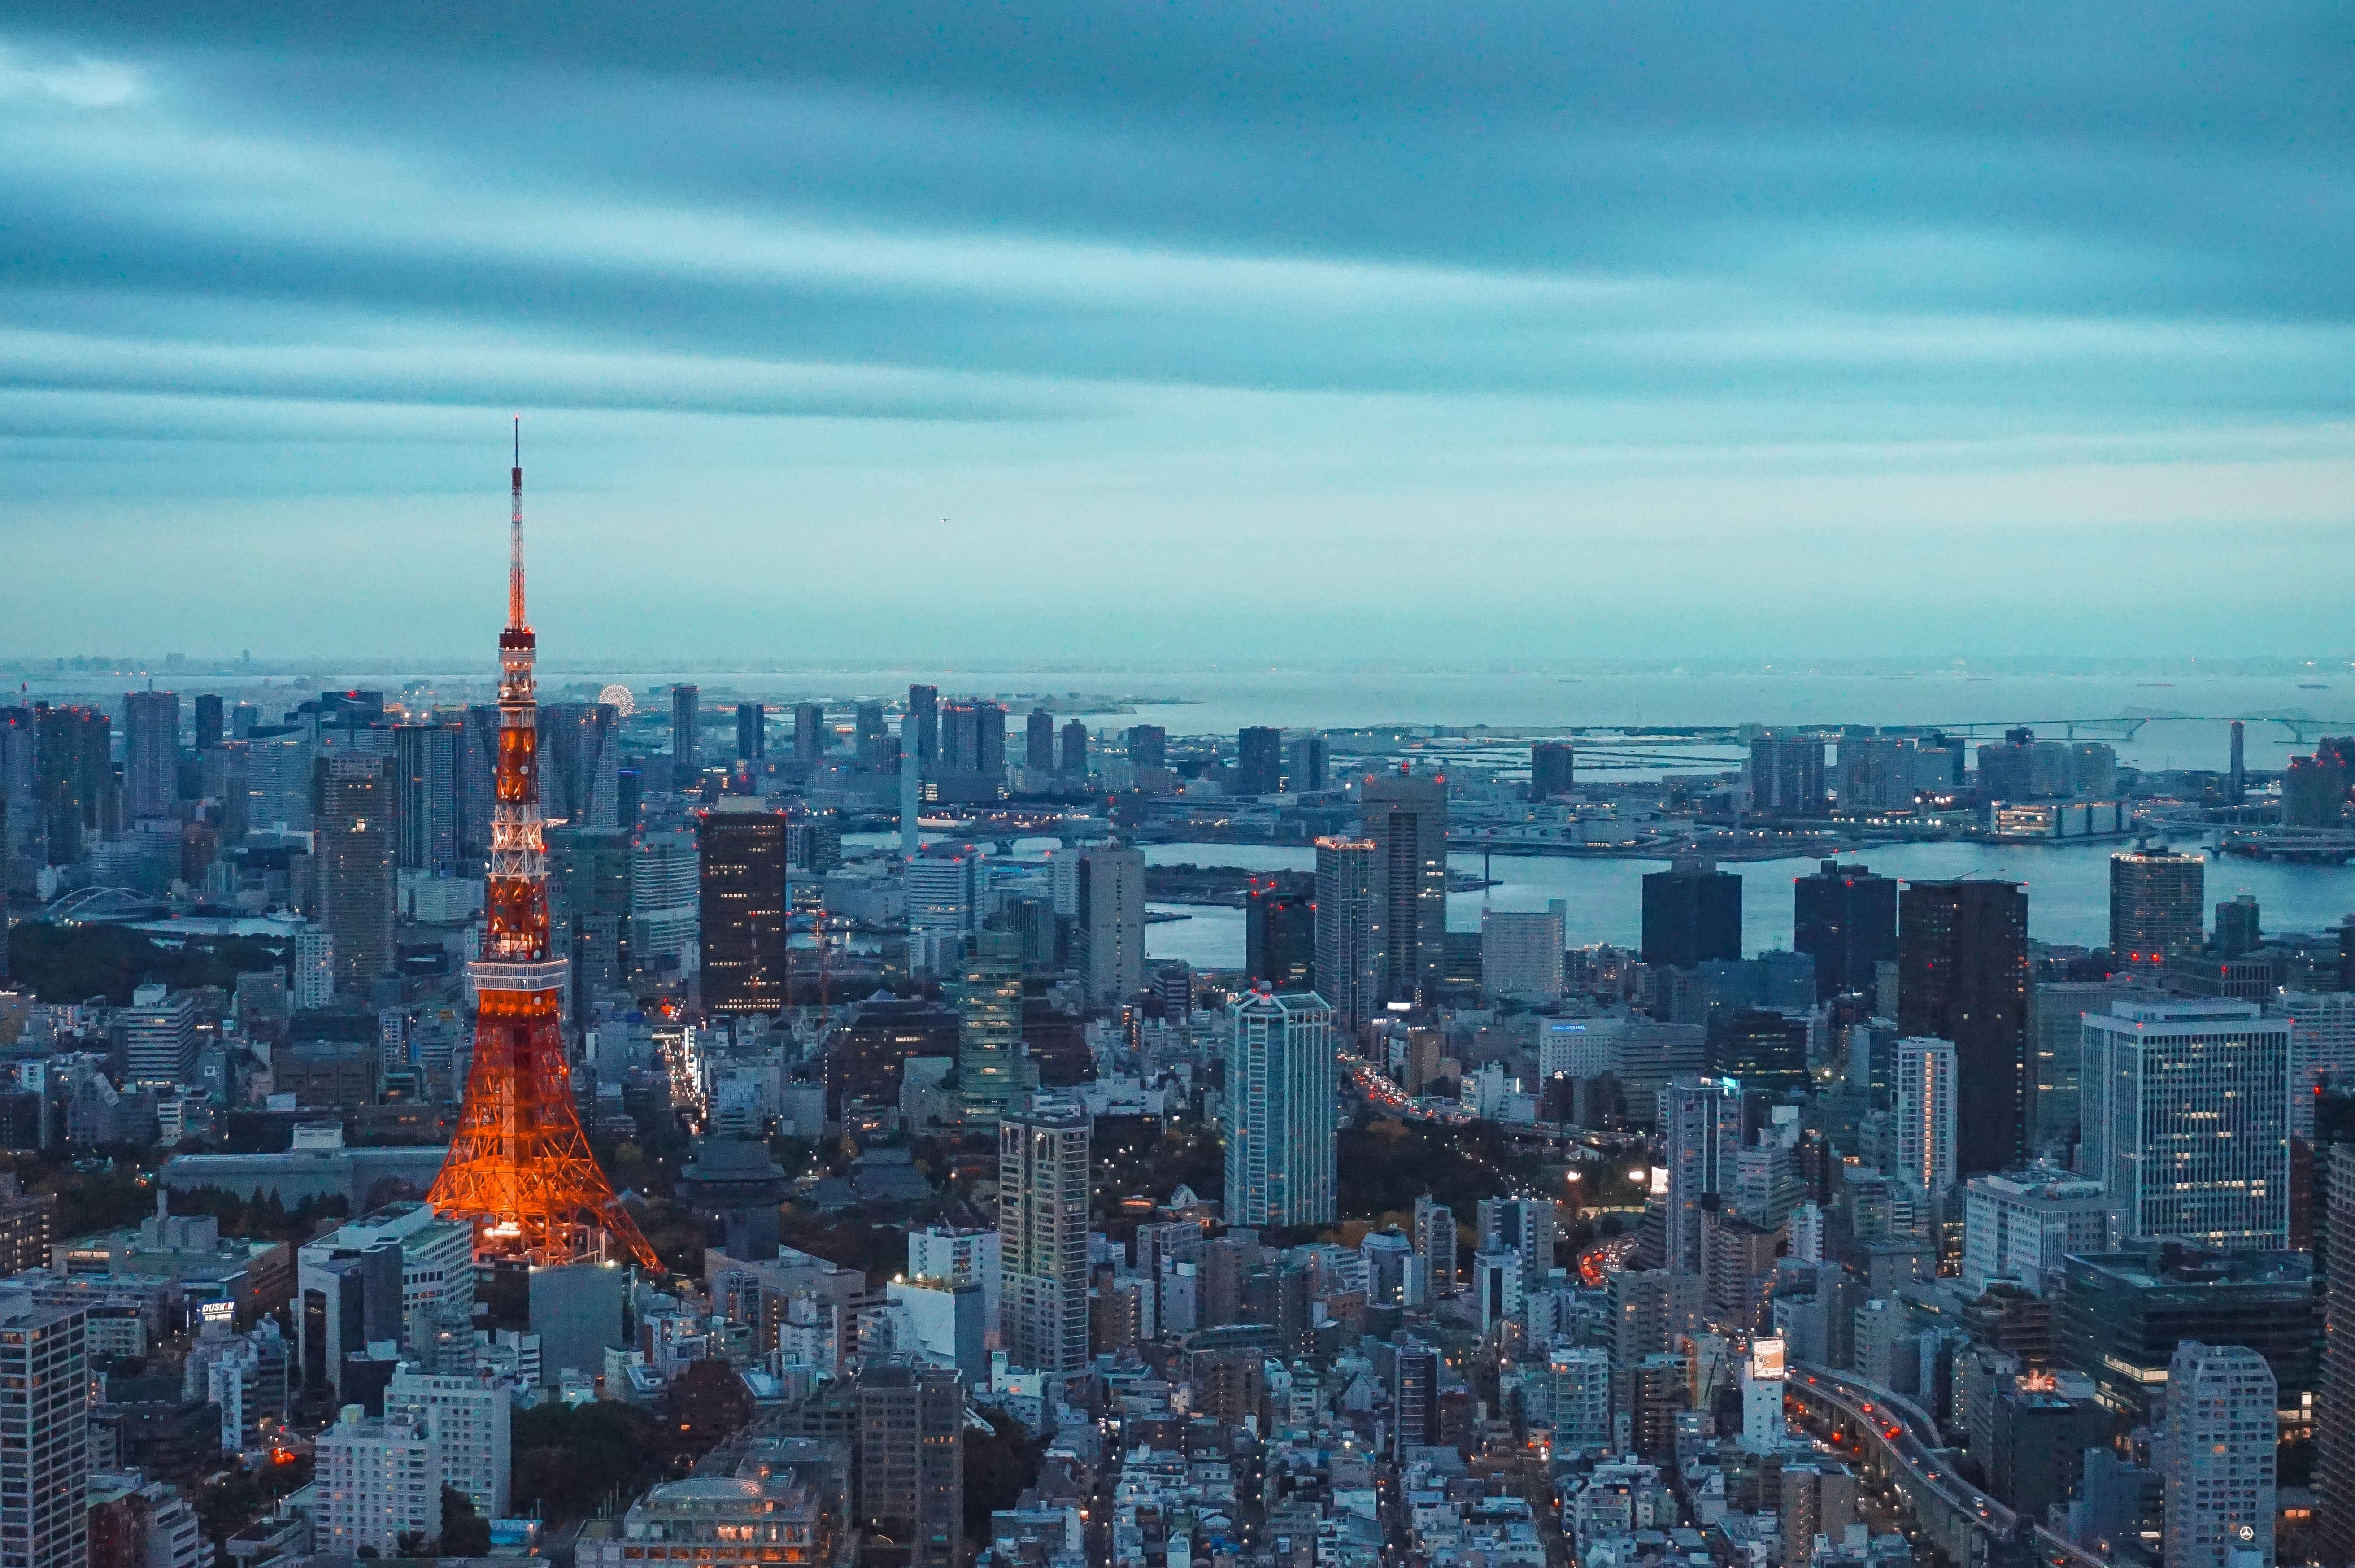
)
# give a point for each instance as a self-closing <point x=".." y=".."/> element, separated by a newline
<point x="1765" y="1358"/>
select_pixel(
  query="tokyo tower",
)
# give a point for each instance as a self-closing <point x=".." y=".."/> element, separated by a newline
<point x="520" y="1167"/>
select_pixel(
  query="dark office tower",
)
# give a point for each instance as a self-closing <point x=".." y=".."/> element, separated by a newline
<point x="741" y="843"/>
<point x="1553" y="769"/>
<point x="478" y="760"/>
<point x="72" y="771"/>
<point x="1405" y="815"/>
<point x="1304" y="764"/>
<point x="1148" y="745"/>
<point x="1259" y="761"/>
<point x="867" y="731"/>
<point x="924" y="702"/>
<point x="910" y="1461"/>
<point x="209" y="720"/>
<point x="990" y="730"/>
<point x="685" y="715"/>
<point x="1692" y="912"/>
<point x="1786" y="776"/>
<point x="425" y="798"/>
<point x="355" y="866"/>
<point x="2157" y="899"/>
<point x="957" y="746"/>
<point x="752" y="731"/>
<point x="580" y="764"/>
<point x="1075" y="749"/>
<point x="1280" y="938"/>
<point x="809" y="734"/>
<point x="1962" y="976"/>
<point x="2334" y="1430"/>
<point x="589" y="904"/>
<point x="2238" y="928"/>
<point x="151" y="752"/>
<point x="1038" y="742"/>
<point x="1845" y="918"/>
<point x="1418" y="1396"/>
<point x="2237" y="781"/>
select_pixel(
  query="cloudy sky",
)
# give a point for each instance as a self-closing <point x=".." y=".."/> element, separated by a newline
<point x="1223" y="329"/>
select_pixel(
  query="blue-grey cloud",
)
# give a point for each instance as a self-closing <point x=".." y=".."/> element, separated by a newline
<point x="1566" y="266"/>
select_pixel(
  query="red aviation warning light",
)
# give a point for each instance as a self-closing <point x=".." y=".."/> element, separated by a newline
<point x="520" y="1167"/>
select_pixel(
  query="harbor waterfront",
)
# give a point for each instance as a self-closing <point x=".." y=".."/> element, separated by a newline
<point x="2068" y="891"/>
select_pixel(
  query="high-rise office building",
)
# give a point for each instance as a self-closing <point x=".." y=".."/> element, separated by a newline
<point x="44" y="1435"/>
<point x="1075" y="749"/>
<point x="1434" y="1244"/>
<point x="159" y="1036"/>
<point x="810" y="736"/>
<point x="207" y="720"/>
<point x="354" y="845"/>
<point x="1259" y="759"/>
<point x="2334" y="1426"/>
<point x="2240" y="925"/>
<point x="1280" y="1110"/>
<point x="1525" y="1228"/>
<point x="1786" y="776"/>
<point x="1521" y="953"/>
<point x="2158" y="898"/>
<point x="740" y="846"/>
<point x="1351" y="950"/>
<point x="425" y="798"/>
<point x="685" y="724"/>
<point x="1109" y="933"/>
<point x="1306" y="764"/>
<point x="151" y="752"/>
<point x="1700" y="1125"/>
<point x="2023" y="1227"/>
<point x="580" y="764"/>
<point x="752" y="731"/>
<point x="1553" y="769"/>
<point x="1043" y="1186"/>
<point x="2236" y="776"/>
<point x="74" y="772"/>
<point x="1280" y="938"/>
<point x="1148" y="745"/>
<point x="867" y="734"/>
<point x="1845" y="918"/>
<point x="2185" y="1106"/>
<point x="924" y="707"/>
<point x="1038" y="742"/>
<point x="2321" y="1049"/>
<point x="589" y="904"/>
<point x="2217" y="1463"/>
<point x="992" y="1071"/>
<point x="911" y="1452"/>
<point x="1962" y="976"/>
<point x="1405" y="815"/>
<point x="1922" y="1083"/>
<point x="1692" y="912"/>
<point x="665" y="899"/>
<point x="943" y="894"/>
<point x="478" y="752"/>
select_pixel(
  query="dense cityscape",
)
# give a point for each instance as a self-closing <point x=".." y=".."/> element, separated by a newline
<point x="448" y="1128"/>
<point x="1540" y="785"/>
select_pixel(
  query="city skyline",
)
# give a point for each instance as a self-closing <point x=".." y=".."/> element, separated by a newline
<point x="1372" y="304"/>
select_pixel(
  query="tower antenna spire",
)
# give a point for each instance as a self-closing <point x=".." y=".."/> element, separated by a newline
<point x="515" y="539"/>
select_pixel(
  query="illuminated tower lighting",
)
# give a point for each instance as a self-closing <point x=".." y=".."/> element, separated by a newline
<point x="520" y="1167"/>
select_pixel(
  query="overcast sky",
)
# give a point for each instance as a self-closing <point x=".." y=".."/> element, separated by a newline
<point x="1097" y="329"/>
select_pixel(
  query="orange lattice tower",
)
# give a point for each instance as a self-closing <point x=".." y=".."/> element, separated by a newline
<point x="520" y="1167"/>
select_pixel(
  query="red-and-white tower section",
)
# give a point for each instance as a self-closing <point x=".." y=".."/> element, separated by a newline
<point x="520" y="1167"/>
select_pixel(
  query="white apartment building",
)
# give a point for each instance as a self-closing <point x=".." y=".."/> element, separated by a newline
<point x="468" y="1418"/>
<point x="377" y="1479"/>
<point x="1521" y="952"/>
<point x="2185" y="1121"/>
<point x="2023" y="1225"/>
<point x="1922" y="1083"/>
<point x="2218" y="1462"/>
